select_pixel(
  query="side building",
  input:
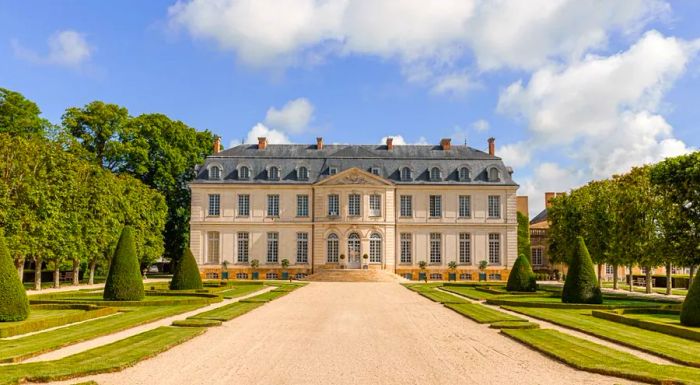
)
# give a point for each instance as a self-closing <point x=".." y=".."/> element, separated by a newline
<point x="352" y="207"/>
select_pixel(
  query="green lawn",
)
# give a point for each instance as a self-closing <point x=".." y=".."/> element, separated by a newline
<point x="239" y="291"/>
<point x="642" y="289"/>
<point x="469" y="292"/>
<point x="481" y="313"/>
<point x="228" y="312"/>
<point x="673" y="348"/>
<point x="41" y="315"/>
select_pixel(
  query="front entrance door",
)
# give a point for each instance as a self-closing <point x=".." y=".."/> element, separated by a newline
<point x="354" y="251"/>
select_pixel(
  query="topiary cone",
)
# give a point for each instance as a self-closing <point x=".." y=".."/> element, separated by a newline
<point x="124" y="280"/>
<point x="14" y="305"/>
<point x="581" y="285"/>
<point x="521" y="277"/>
<point x="690" y="312"/>
<point x="186" y="275"/>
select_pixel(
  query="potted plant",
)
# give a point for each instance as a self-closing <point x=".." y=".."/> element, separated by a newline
<point x="224" y="270"/>
<point x="342" y="261"/>
<point x="482" y="270"/>
<point x="452" y="276"/>
<point x="365" y="257"/>
<point x="422" y="276"/>
<point x="285" y="266"/>
<point x="254" y="264"/>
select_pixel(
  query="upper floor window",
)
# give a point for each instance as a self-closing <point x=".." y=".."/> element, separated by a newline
<point x="214" y="205"/>
<point x="375" y="170"/>
<point x="463" y="174"/>
<point x="274" y="173"/>
<point x="354" y="205"/>
<point x="215" y="172"/>
<point x="273" y="205"/>
<point x="494" y="175"/>
<point x="406" y="173"/>
<point x="332" y="170"/>
<point x="435" y="173"/>
<point x="375" y="248"/>
<point x="375" y="205"/>
<point x="244" y="172"/>
<point x="244" y="205"/>
<point x="494" y="206"/>
<point x="302" y="205"/>
<point x="303" y="173"/>
<point x="537" y="256"/>
<point x="465" y="206"/>
<point x="435" y="206"/>
<point x="406" y="203"/>
<point x="333" y="205"/>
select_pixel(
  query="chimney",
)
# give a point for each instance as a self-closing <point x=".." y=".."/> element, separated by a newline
<point x="492" y="146"/>
<point x="445" y="143"/>
<point x="262" y="143"/>
<point x="548" y="198"/>
<point x="217" y="145"/>
<point x="319" y="143"/>
<point x="389" y="144"/>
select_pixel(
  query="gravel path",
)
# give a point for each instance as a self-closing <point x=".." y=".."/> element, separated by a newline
<point x="351" y="333"/>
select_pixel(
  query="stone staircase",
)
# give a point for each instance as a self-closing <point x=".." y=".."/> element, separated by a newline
<point x="353" y="275"/>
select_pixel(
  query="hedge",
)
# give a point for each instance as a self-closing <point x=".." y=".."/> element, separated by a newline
<point x="186" y="275"/>
<point x="581" y="285"/>
<point x="124" y="282"/>
<point x="30" y="325"/>
<point x="521" y="277"/>
<point x="14" y="305"/>
<point x="556" y="305"/>
<point x="690" y="312"/>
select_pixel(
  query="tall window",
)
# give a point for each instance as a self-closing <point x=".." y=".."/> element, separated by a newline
<point x="302" y="205"/>
<point x="244" y="173"/>
<point x="215" y="172"/>
<point x="214" y="205"/>
<point x="494" y="249"/>
<point x="332" y="248"/>
<point x="406" y="206"/>
<point x="406" y="248"/>
<point x="494" y="206"/>
<point x="273" y="205"/>
<point x="435" y="206"/>
<point x="302" y="247"/>
<point x="274" y="173"/>
<point x="406" y="174"/>
<point x="465" y="248"/>
<point x="244" y="205"/>
<point x="375" y="248"/>
<point x="463" y="174"/>
<point x="435" y="173"/>
<point x="435" y="248"/>
<point x="243" y="245"/>
<point x="303" y="173"/>
<point x="213" y="247"/>
<point x="465" y="206"/>
<point x="272" y="247"/>
<point x="537" y="256"/>
<point x="354" y="205"/>
<point x="333" y="205"/>
<point x="375" y="205"/>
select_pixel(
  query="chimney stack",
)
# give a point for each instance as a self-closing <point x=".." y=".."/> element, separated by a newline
<point x="217" y="145"/>
<point x="262" y="143"/>
<point x="389" y="144"/>
<point x="445" y="143"/>
<point x="548" y="198"/>
<point x="492" y="146"/>
<point x="319" y="143"/>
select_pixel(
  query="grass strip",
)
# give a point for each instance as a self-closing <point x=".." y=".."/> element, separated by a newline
<point x="441" y="297"/>
<point x="469" y="292"/>
<point x="555" y="303"/>
<point x="49" y="316"/>
<point x="674" y="329"/>
<point x="595" y="358"/>
<point x="108" y="358"/>
<point x="196" y="323"/>
<point x="663" y="345"/>
<point x="239" y="291"/>
<point x="481" y="314"/>
<point x="228" y="312"/>
<point x="514" y="325"/>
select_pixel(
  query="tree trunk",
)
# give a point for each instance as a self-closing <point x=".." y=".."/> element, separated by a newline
<point x="690" y="277"/>
<point x="76" y="272"/>
<point x="648" y="280"/>
<point x="669" y="279"/>
<point x="93" y="265"/>
<point x="19" y="264"/>
<point x="631" y="280"/>
<point x="37" y="273"/>
<point x="600" y="275"/>
<point x="57" y="276"/>
<point x="615" y="272"/>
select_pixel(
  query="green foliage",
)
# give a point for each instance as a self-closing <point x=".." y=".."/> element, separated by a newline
<point x="186" y="275"/>
<point x="124" y="281"/>
<point x="690" y="312"/>
<point x="483" y="265"/>
<point x="19" y="116"/>
<point x="581" y="285"/>
<point x="14" y="305"/>
<point x="524" y="245"/>
<point x="521" y="277"/>
<point x="452" y="265"/>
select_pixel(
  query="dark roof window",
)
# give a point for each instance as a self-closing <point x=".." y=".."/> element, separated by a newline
<point x="405" y="174"/>
<point x="215" y="172"/>
<point x="303" y="173"/>
<point x="435" y="174"/>
<point x="463" y="174"/>
<point x="274" y="173"/>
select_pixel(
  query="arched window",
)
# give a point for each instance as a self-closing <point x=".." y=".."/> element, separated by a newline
<point x="375" y="248"/>
<point x="274" y="173"/>
<point x="463" y="174"/>
<point x="303" y="173"/>
<point x="332" y="248"/>
<point x="405" y="173"/>
<point x="494" y="175"/>
<point x="435" y="173"/>
<point x="215" y="172"/>
<point x="244" y="172"/>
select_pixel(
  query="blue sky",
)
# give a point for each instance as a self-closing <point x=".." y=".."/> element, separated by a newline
<point x="571" y="90"/>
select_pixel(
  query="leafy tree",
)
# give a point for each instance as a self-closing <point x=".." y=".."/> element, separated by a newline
<point x="186" y="274"/>
<point x="564" y="215"/>
<point x="124" y="280"/>
<point x="14" y="305"/>
<point x="581" y="285"/>
<point x="521" y="277"/>
<point x="20" y="116"/>
<point x="597" y="221"/>
<point x="524" y="245"/>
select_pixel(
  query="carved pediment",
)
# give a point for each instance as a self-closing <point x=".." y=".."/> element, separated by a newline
<point x="355" y="176"/>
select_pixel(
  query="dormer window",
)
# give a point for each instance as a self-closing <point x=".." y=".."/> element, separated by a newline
<point x="375" y="170"/>
<point x="303" y="173"/>
<point x="435" y="173"/>
<point x="406" y="174"/>
<point x="274" y="173"/>
<point x="494" y="175"/>
<point x="244" y="172"/>
<point x="332" y="170"/>
<point x="463" y="174"/>
<point x="214" y="173"/>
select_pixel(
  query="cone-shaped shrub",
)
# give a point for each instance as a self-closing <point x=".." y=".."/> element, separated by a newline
<point x="14" y="305"/>
<point x="521" y="277"/>
<point x="690" y="313"/>
<point x="581" y="285"/>
<point x="124" y="280"/>
<point x="186" y="275"/>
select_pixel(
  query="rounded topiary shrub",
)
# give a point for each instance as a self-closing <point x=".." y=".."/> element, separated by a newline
<point x="581" y="285"/>
<point x="124" y="280"/>
<point x="14" y="305"/>
<point x="521" y="277"/>
<point x="690" y="312"/>
<point x="186" y="275"/>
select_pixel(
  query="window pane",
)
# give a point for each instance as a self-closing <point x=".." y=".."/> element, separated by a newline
<point x="406" y="206"/>
<point x="375" y="248"/>
<point x="214" y="204"/>
<point x="243" y="244"/>
<point x="333" y="205"/>
<point x="213" y="247"/>
<point x="375" y="205"/>
<point x="435" y="248"/>
<point x="273" y="205"/>
<point x="354" y="205"/>
<point x="272" y="247"/>
<point x="465" y="203"/>
<point x="332" y="248"/>
<point x="435" y="206"/>
<point x="494" y="249"/>
<point x="244" y="205"/>
<point x="302" y="247"/>
<point x="406" y="248"/>
<point x="494" y="208"/>
<point x="302" y="205"/>
<point x="465" y="248"/>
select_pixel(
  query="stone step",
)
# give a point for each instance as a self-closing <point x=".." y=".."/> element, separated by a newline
<point x="353" y="275"/>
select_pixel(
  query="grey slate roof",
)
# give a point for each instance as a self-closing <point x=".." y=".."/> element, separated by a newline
<point x="541" y="217"/>
<point x="419" y="158"/>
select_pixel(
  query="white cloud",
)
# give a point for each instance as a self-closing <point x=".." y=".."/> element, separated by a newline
<point x="398" y="140"/>
<point x="548" y="176"/>
<point x="516" y="154"/>
<point x="66" y="48"/>
<point x="455" y="84"/>
<point x="293" y="117"/>
<point x="481" y="125"/>
<point x="273" y="136"/>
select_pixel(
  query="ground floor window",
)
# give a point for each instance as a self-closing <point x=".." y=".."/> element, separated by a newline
<point x="271" y="276"/>
<point x="407" y="275"/>
<point x="537" y="256"/>
<point x="332" y="249"/>
<point x="272" y="247"/>
<point x="406" y="248"/>
<point x="375" y="248"/>
<point x="494" y="249"/>
<point x="465" y="276"/>
<point x="211" y="275"/>
<point x="243" y="243"/>
<point x="299" y="275"/>
<point x="302" y="247"/>
<point x="609" y="269"/>
<point x="435" y="248"/>
<point x="465" y="248"/>
<point x="241" y="275"/>
<point x="436" y="276"/>
<point x="213" y="247"/>
<point x="494" y="276"/>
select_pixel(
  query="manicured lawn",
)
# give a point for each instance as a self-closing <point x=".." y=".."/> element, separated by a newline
<point x="481" y="313"/>
<point x="469" y="292"/>
<point x="673" y="348"/>
<point x="228" y="312"/>
<point x="641" y="289"/>
<point x="439" y="296"/>
<point x="239" y="291"/>
<point x="41" y="315"/>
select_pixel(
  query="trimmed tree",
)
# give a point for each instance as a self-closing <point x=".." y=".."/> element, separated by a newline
<point x="124" y="280"/>
<point x="521" y="277"/>
<point x="186" y="275"/>
<point x="690" y="312"/>
<point x="581" y="285"/>
<point x="14" y="305"/>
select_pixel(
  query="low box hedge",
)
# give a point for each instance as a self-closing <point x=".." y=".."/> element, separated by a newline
<point x="670" y="329"/>
<point x="514" y="325"/>
<point x="558" y="305"/>
<point x="29" y="325"/>
<point x="196" y="323"/>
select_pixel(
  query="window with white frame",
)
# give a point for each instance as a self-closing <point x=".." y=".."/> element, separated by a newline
<point x="299" y="276"/>
<point x="435" y="174"/>
<point x="214" y="205"/>
<point x="213" y="251"/>
<point x="273" y="205"/>
<point x="610" y="270"/>
<point x="465" y="248"/>
<point x="303" y="173"/>
<point x="494" y="276"/>
<point x="354" y="205"/>
<point x="494" y="206"/>
<point x="271" y="275"/>
<point x="435" y="248"/>
<point x="464" y="174"/>
<point x="244" y="172"/>
<point x="333" y="205"/>
<point x="465" y="277"/>
<point x="537" y="256"/>
<point x="332" y="249"/>
<point x="272" y="247"/>
<point x="406" y="247"/>
<point x="465" y="206"/>
<point x="302" y="247"/>
<point x="405" y="174"/>
<point x="494" y="249"/>
<point x="406" y="206"/>
<point x="215" y="173"/>
<point x="243" y="246"/>
<point x="274" y="173"/>
<point x="302" y="205"/>
<point x="244" y="205"/>
<point x="241" y="275"/>
<point x="375" y="205"/>
<point x="435" y="206"/>
<point x="494" y="175"/>
<point x="375" y="248"/>
<point x="436" y="276"/>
